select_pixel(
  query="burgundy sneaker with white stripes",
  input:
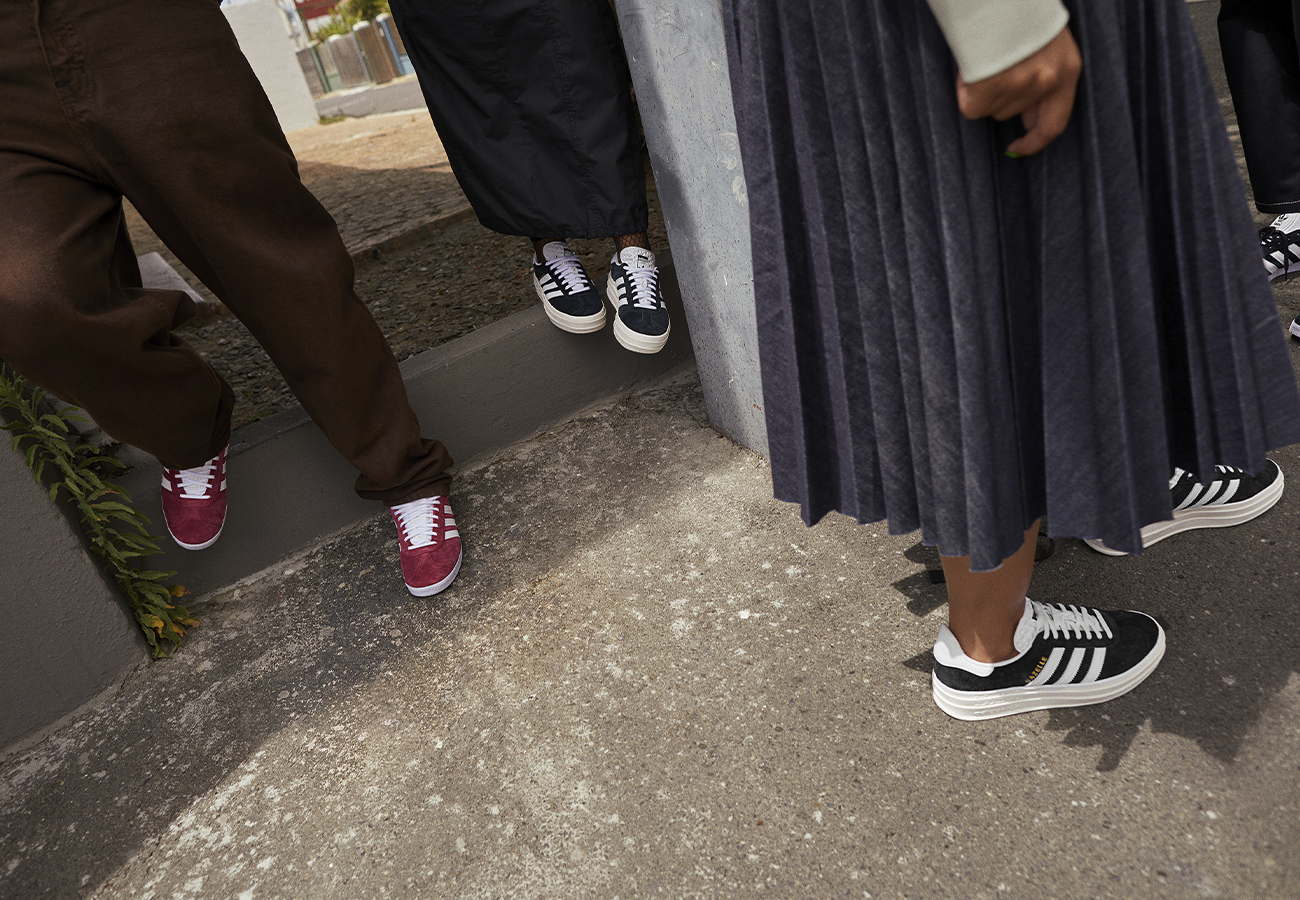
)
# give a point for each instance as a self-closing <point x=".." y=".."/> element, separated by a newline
<point x="1232" y="498"/>
<point x="1067" y="656"/>
<point x="430" y="544"/>
<point x="194" y="502"/>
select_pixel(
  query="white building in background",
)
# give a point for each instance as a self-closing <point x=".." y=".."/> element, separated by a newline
<point x="270" y="37"/>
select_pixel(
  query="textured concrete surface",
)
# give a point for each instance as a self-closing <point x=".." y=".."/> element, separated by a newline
<point x="678" y="59"/>
<point x="650" y="679"/>
<point x="65" y="635"/>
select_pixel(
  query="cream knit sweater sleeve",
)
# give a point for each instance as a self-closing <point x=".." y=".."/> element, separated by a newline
<point x="988" y="36"/>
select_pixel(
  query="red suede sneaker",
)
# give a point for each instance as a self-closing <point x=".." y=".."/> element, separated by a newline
<point x="194" y="502"/>
<point x="430" y="544"/>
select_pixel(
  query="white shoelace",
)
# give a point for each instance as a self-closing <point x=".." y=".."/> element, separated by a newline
<point x="644" y="283"/>
<point x="568" y="271"/>
<point x="195" y="483"/>
<point x="1280" y="248"/>
<point x="1053" y="619"/>
<point x="418" y="521"/>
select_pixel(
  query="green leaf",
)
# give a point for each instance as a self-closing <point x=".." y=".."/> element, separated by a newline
<point x="113" y="506"/>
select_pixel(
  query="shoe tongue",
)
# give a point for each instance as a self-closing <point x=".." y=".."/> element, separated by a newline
<point x="1287" y="222"/>
<point x="636" y="257"/>
<point x="555" y="249"/>
<point x="1026" y="631"/>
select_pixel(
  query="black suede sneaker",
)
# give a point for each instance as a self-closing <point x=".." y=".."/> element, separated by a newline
<point x="641" y="319"/>
<point x="1069" y="656"/>
<point x="571" y="301"/>
<point x="1232" y="498"/>
<point x="1295" y="327"/>
<point x="1279" y="243"/>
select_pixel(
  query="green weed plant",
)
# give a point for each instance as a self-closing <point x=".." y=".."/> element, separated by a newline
<point x="117" y="531"/>
<point x="349" y="13"/>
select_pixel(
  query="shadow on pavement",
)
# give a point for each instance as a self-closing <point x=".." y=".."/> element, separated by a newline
<point x="1226" y="598"/>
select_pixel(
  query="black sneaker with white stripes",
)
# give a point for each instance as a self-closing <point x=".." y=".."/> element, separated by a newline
<point x="571" y="301"/>
<point x="1232" y="498"/>
<point x="1280" y="245"/>
<point x="1068" y="656"/>
<point x="1295" y="327"/>
<point x="640" y="317"/>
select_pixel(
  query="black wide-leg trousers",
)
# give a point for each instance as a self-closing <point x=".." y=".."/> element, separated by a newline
<point x="1259" y="42"/>
<point x="532" y="101"/>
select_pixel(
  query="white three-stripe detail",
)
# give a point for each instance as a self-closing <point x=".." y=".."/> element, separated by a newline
<point x="1191" y="497"/>
<point x="1215" y="494"/>
<point x="1229" y="491"/>
<point x="1094" y="670"/>
<point x="550" y="288"/>
<point x="1049" y="668"/>
<point x="1053" y="673"/>
<point x="1072" y="668"/>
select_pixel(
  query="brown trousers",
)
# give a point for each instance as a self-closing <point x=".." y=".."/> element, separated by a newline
<point x="153" y="100"/>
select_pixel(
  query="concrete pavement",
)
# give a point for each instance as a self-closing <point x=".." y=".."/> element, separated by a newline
<point x="650" y="679"/>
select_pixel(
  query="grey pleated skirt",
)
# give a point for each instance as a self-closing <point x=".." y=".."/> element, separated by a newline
<point x="960" y="342"/>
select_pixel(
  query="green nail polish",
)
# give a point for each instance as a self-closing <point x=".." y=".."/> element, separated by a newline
<point x="1011" y="155"/>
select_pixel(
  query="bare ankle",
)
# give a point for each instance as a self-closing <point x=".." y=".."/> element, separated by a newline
<point x="984" y="647"/>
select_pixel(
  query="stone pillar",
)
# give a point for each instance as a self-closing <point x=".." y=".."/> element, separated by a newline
<point x="65" y="635"/>
<point x="375" y="46"/>
<point x="678" y="58"/>
<point x="347" y="58"/>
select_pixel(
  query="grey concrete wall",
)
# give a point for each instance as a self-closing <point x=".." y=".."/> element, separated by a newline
<point x="263" y="35"/>
<point x="679" y="66"/>
<point x="65" y="636"/>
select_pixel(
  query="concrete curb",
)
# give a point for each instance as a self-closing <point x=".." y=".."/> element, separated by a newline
<point x="413" y="235"/>
<point x="400" y="94"/>
<point x="67" y="635"/>
<point x="477" y="394"/>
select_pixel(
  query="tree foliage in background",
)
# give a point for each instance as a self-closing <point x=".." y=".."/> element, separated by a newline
<point x="116" y="530"/>
<point x="349" y="13"/>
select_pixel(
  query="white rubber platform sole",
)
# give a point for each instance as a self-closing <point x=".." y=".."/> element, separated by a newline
<point x="1204" y="517"/>
<point x="974" y="706"/>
